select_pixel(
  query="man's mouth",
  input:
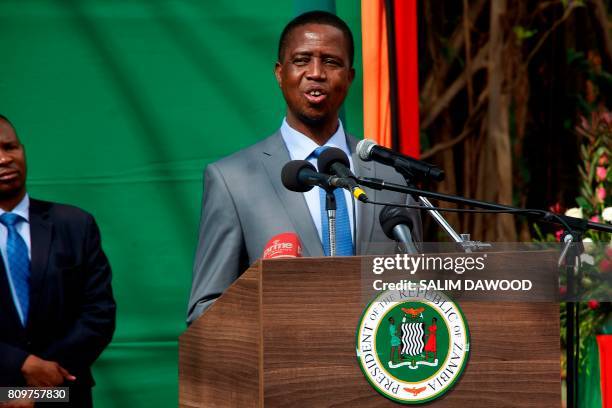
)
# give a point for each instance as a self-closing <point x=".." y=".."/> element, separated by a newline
<point x="315" y="96"/>
<point x="8" y="175"/>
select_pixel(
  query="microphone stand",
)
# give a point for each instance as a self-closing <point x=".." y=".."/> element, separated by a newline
<point x="574" y="229"/>
<point x="330" y="208"/>
<point x="572" y="250"/>
<point x="464" y="239"/>
<point x="574" y="224"/>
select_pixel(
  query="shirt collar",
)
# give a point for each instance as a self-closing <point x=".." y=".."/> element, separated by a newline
<point x="301" y="146"/>
<point x="22" y="209"/>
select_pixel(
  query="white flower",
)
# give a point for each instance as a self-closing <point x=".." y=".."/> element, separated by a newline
<point x="587" y="259"/>
<point x="574" y="212"/>
<point x="589" y="246"/>
<point x="607" y="214"/>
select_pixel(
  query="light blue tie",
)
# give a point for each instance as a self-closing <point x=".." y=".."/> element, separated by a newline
<point x="19" y="262"/>
<point x="344" y="240"/>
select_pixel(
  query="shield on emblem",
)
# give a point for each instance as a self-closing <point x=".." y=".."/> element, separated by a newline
<point x="412" y="338"/>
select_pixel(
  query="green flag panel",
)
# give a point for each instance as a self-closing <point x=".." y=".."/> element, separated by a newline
<point x="121" y="105"/>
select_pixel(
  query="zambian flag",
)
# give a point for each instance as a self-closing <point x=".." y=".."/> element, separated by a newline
<point x="390" y="70"/>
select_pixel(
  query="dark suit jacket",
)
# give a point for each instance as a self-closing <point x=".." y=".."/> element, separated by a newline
<point x="245" y="204"/>
<point x="72" y="310"/>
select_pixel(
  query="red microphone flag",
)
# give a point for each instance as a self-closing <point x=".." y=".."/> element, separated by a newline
<point x="285" y="245"/>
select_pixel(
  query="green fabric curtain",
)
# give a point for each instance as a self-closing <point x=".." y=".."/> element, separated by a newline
<point x="121" y="104"/>
<point x="589" y="387"/>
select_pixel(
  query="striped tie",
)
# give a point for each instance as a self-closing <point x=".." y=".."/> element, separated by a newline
<point x="18" y="262"/>
<point x="344" y="240"/>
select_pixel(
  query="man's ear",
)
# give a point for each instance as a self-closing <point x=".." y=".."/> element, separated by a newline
<point x="351" y="75"/>
<point x="278" y="68"/>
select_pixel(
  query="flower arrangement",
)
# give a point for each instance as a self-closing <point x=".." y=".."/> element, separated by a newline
<point x="594" y="204"/>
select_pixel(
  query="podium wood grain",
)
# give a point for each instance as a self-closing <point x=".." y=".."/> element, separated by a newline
<point x="284" y="336"/>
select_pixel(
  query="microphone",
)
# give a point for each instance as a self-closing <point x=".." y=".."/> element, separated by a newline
<point x="300" y="176"/>
<point x="397" y="225"/>
<point x="285" y="245"/>
<point x="370" y="150"/>
<point x="334" y="161"/>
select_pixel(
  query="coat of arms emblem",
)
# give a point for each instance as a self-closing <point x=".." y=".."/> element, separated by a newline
<point x="412" y="346"/>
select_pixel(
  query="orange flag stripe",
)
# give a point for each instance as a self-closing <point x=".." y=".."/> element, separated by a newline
<point x="376" y="103"/>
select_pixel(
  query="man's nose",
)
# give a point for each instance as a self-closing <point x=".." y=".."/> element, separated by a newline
<point x="5" y="158"/>
<point x="316" y="69"/>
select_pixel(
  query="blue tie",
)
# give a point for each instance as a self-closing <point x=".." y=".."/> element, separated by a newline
<point x="344" y="240"/>
<point x="19" y="262"/>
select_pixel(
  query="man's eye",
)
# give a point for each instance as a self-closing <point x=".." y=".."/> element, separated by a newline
<point x="331" y="61"/>
<point x="300" y="61"/>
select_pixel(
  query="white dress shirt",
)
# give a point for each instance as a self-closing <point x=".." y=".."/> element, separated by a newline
<point x="300" y="147"/>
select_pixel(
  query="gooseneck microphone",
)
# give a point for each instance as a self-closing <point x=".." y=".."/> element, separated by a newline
<point x="369" y="150"/>
<point x="334" y="161"/>
<point x="397" y="225"/>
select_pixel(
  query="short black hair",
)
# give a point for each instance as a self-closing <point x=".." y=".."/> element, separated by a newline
<point x="7" y="120"/>
<point x="317" y="17"/>
<point x="4" y="118"/>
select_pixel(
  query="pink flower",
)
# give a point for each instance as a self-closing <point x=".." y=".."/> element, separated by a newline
<point x="557" y="209"/>
<point x="558" y="235"/>
<point x="601" y="193"/>
<point x="603" y="160"/>
<point x="601" y="173"/>
<point x="595" y="218"/>
<point x="562" y="290"/>
<point x="593" y="304"/>
<point x="605" y="265"/>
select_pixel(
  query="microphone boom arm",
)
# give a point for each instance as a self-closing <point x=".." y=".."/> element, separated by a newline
<point x="563" y="220"/>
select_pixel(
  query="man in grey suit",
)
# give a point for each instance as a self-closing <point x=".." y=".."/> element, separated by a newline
<point x="245" y="203"/>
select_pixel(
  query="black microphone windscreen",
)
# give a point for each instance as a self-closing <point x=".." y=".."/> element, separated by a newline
<point x="390" y="217"/>
<point x="330" y="156"/>
<point x="290" y="175"/>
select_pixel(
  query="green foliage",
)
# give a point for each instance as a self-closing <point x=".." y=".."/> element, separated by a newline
<point x="523" y="33"/>
<point x="595" y="203"/>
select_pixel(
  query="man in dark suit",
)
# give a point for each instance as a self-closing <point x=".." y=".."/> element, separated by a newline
<point x="57" y="311"/>
<point x="245" y="203"/>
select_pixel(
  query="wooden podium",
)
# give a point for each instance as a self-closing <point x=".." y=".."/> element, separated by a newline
<point x="283" y="335"/>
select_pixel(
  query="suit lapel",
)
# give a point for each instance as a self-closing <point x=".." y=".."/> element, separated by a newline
<point x="40" y="237"/>
<point x="274" y="157"/>
<point x="365" y="219"/>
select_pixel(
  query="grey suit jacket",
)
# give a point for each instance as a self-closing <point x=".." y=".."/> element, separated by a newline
<point x="245" y="204"/>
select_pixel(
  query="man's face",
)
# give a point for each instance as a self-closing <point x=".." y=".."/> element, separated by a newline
<point x="12" y="163"/>
<point x="314" y="74"/>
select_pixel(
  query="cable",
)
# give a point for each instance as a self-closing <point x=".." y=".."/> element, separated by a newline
<point x="527" y="211"/>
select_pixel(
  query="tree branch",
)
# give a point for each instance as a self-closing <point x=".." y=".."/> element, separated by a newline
<point x="545" y="36"/>
<point x="602" y="28"/>
<point x="455" y="43"/>
<point x="467" y="129"/>
<point x="431" y="112"/>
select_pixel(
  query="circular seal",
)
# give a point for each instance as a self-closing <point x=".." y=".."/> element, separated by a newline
<point x="412" y="346"/>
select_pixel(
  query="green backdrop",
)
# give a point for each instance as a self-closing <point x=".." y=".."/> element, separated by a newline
<point x="121" y="104"/>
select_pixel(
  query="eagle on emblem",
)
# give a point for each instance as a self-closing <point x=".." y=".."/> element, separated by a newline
<point x="415" y="391"/>
<point x="413" y="312"/>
